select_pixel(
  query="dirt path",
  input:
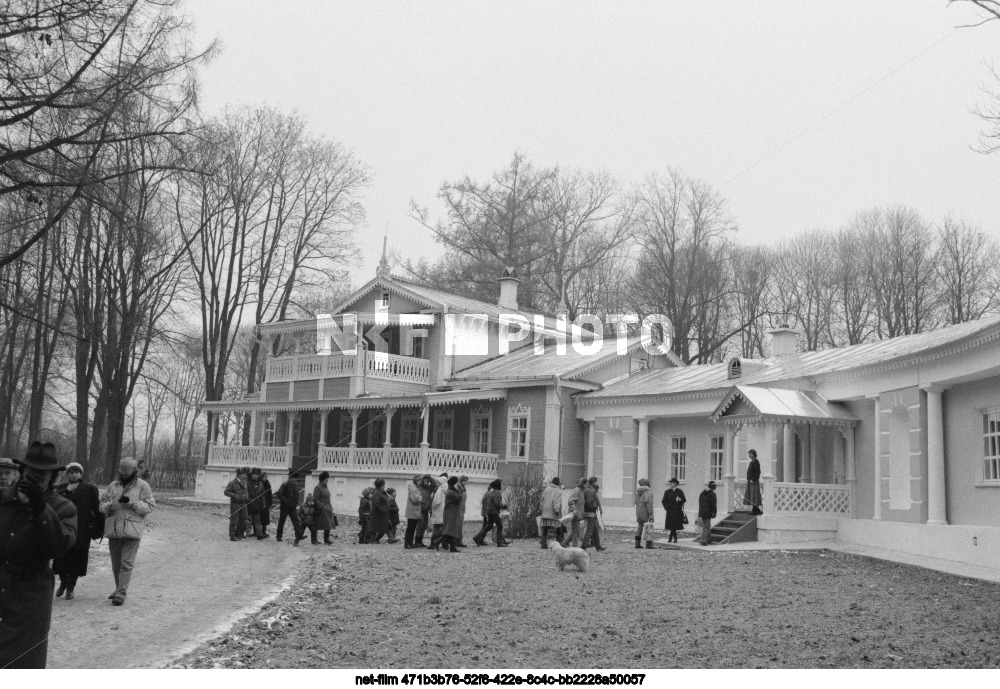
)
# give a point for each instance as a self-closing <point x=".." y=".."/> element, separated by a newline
<point x="190" y="583"/>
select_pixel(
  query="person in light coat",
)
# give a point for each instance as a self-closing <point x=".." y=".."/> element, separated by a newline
<point x="575" y="506"/>
<point x="413" y="513"/>
<point x="128" y="500"/>
<point x="436" y="519"/>
<point x="551" y="509"/>
<point x="643" y="511"/>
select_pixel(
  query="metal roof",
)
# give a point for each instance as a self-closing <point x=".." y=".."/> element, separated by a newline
<point x="776" y="369"/>
<point x="524" y="363"/>
<point x="781" y="405"/>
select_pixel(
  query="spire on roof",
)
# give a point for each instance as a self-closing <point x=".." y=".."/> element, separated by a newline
<point x="383" y="265"/>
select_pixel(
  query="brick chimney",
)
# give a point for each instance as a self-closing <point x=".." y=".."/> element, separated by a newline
<point x="784" y="340"/>
<point x="508" y="289"/>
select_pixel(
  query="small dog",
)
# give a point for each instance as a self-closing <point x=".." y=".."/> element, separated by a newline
<point x="570" y="556"/>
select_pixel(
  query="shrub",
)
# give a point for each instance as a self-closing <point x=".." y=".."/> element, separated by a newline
<point x="523" y="495"/>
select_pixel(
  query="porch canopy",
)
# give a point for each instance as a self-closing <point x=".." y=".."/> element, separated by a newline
<point x="749" y="405"/>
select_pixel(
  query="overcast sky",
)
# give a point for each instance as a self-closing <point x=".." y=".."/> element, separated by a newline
<point x="801" y="113"/>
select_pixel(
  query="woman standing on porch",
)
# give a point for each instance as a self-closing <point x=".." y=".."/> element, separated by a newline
<point x="753" y="496"/>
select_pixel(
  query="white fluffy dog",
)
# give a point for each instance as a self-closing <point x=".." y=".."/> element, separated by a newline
<point x="570" y="556"/>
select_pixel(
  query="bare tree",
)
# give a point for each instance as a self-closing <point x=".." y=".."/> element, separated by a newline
<point x="805" y="285"/>
<point x="968" y="265"/>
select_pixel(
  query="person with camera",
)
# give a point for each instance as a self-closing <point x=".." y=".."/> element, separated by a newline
<point x="72" y="565"/>
<point x="36" y="525"/>
<point x="128" y="500"/>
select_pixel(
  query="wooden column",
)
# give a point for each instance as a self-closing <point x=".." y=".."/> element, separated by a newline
<point x="788" y="454"/>
<point x="426" y="414"/>
<point x="591" y="430"/>
<point x="813" y="453"/>
<point x="387" y="443"/>
<point x="877" y="478"/>
<point x="851" y="465"/>
<point x="355" y="413"/>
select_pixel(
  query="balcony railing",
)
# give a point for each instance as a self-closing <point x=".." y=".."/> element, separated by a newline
<point x="250" y="456"/>
<point x="407" y="460"/>
<point x="379" y="365"/>
<point x="798" y="498"/>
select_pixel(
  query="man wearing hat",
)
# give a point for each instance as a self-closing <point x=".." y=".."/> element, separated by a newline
<point x="8" y="472"/>
<point x="36" y="525"/>
<point x="706" y="511"/>
<point x="128" y="500"/>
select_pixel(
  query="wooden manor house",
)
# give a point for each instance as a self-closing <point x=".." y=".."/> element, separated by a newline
<point x="893" y="443"/>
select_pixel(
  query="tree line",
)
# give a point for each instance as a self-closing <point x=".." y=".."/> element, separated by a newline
<point x="141" y="242"/>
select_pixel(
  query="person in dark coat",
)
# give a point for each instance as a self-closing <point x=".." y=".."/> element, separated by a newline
<point x="257" y="503"/>
<point x="87" y="500"/>
<point x="592" y="508"/>
<point x="236" y="491"/>
<point x="288" y="502"/>
<point x="673" y="502"/>
<point x="753" y="496"/>
<point x="323" y="517"/>
<point x="706" y="511"/>
<point x="643" y="511"/>
<point x="36" y="525"/>
<point x="393" y="515"/>
<point x="265" y="515"/>
<point x="451" y="530"/>
<point x="492" y="504"/>
<point x="365" y="515"/>
<point x="378" y="523"/>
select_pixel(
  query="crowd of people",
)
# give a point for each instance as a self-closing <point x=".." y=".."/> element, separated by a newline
<point x="43" y="522"/>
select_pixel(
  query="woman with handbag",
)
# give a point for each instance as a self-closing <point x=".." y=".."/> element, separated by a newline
<point x="644" y="514"/>
<point x="673" y="503"/>
<point x="72" y="565"/>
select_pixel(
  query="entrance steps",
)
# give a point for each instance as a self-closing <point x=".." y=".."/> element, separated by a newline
<point x="736" y="527"/>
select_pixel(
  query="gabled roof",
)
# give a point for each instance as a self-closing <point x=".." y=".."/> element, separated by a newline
<point x="752" y="405"/>
<point x="524" y="363"/>
<point x="853" y="360"/>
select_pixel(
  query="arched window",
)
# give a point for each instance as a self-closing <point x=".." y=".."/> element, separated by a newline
<point x="735" y="368"/>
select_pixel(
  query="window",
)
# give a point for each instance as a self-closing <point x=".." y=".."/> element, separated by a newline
<point x="418" y="347"/>
<point x="991" y="446"/>
<point x="382" y="300"/>
<point x="735" y="369"/>
<point x="410" y="430"/>
<point x="517" y="432"/>
<point x="376" y="431"/>
<point x="316" y="427"/>
<point x="678" y="457"/>
<point x="444" y="425"/>
<point x="268" y="440"/>
<point x="480" y="440"/>
<point x="344" y="433"/>
<point x="716" y="455"/>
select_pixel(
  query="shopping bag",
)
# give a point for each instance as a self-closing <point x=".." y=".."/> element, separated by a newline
<point x="647" y="531"/>
<point x="697" y="522"/>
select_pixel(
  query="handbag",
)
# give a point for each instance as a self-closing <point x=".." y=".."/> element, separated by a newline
<point x="697" y="522"/>
<point x="684" y="518"/>
<point x="647" y="531"/>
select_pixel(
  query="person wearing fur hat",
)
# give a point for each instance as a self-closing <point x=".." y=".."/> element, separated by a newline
<point x="236" y="491"/>
<point x="451" y="530"/>
<point x="643" y="510"/>
<point x="8" y="472"/>
<point x="551" y="509"/>
<point x="72" y="565"/>
<point x="128" y="500"/>
<point x="36" y="525"/>
<point x="575" y="506"/>
<point x="323" y="520"/>
<point x="492" y="504"/>
<point x="437" y="510"/>
<point x="256" y="502"/>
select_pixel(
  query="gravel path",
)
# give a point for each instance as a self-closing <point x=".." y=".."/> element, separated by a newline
<point x="190" y="583"/>
<point x="354" y="606"/>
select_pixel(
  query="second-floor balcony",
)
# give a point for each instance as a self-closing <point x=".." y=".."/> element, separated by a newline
<point x="370" y="364"/>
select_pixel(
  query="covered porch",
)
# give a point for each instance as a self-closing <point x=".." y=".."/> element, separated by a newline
<point x="427" y="433"/>
<point x="806" y="450"/>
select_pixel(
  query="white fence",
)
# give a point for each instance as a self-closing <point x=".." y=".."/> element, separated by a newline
<point x="798" y="498"/>
<point x="408" y="460"/>
<point x="380" y="365"/>
<point x="246" y="456"/>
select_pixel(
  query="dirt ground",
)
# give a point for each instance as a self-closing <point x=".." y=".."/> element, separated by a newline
<point x="189" y="583"/>
<point x="354" y="606"/>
